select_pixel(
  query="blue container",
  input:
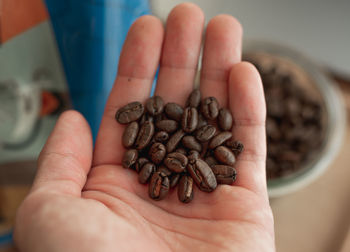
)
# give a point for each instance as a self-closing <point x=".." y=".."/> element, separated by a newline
<point x="90" y="35"/>
<point x="5" y="239"/>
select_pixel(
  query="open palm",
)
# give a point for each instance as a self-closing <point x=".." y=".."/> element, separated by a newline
<point x="83" y="200"/>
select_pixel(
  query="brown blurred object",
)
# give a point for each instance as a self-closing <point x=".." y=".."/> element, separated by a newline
<point x="15" y="17"/>
<point x="15" y="181"/>
<point x="316" y="218"/>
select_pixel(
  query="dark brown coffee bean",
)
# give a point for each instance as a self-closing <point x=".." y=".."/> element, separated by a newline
<point x="210" y="160"/>
<point x="236" y="147"/>
<point x="224" y="155"/>
<point x="145" y="135"/>
<point x="174" y="179"/>
<point x="194" y="99"/>
<point x="189" y="119"/>
<point x="139" y="163"/>
<point x="191" y="143"/>
<point x="157" y="152"/>
<point x="205" y="133"/>
<point x="129" y="158"/>
<point x="130" y="134"/>
<point x="176" y="162"/>
<point x="219" y="139"/>
<point x="193" y="155"/>
<point x="225" y="119"/>
<point x="167" y="125"/>
<point x="210" y="108"/>
<point x="161" y="136"/>
<point x="202" y="175"/>
<point x="163" y="169"/>
<point x="145" y="117"/>
<point x="159" y="186"/>
<point x="129" y="113"/>
<point x="224" y="174"/>
<point x="155" y="105"/>
<point x="174" y="111"/>
<point x="204" y="151"/>
<point x="185" y="189"/>
<point x="174" y="140"/>
<point x="146" y="172"/>
<point x="181" y="150"/>
<point x="201" y="121"/>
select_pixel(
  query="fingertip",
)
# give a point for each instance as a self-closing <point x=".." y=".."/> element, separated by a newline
<point x="71" y="134"/>
<point x="242" y="69"/>
<point x="149" y="22"/>
<point x="141" y="51"/>
<point x="73" y="117"/>
<point x="184" y="9"/>
<point x="224" y="22"/>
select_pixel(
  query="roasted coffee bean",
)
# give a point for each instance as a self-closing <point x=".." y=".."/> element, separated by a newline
<point x="210" y="160"/>
<point x="189" y="119"/>
<point x="130" y="134"/>
<point x="185" y="189"/>
<point x="194" y="99"/>
<point x="174" y="140"/>
<point x="139" y="163"/>
<point x="157" y="152"/>
<point x="155" y="105"/>
<point x="164" y="170"/>
<point x="159" y="186"/>
<point x="225" y="119"/>
<point x="224" y="155"/>
<point x="129" y="158"/>
<point x="205" y="133"/>
<point x="210" y="108"/>
<point x="205" y="150"/>
<point x="224" y="174"/>
<point x="193" y="154"/>
<point x="219" y="139"/>
<point x="146" y="172"/>
<point x="145" y="135"/>
<point x="174" y="111"/>
<point x="176" y="162"/>
<point x="129" y="113"/>
<point x="161" y="136"/>
<point x="174" y="179"/>
<point x="145" y="117"/>
<point x="235" y="146"/>
<point x="201" y="121"/>
<point x="167" y="125"/>
<point x="191" y="143"/>
<point x="181" y="150"/>
<point x="169" y="144"/>
<point x="202" y="175"/>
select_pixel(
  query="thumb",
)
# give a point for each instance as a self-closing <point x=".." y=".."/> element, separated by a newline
<point x="65" y="160"/>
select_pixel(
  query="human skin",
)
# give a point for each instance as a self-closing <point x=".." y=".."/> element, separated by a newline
<point x="83" y="200"/>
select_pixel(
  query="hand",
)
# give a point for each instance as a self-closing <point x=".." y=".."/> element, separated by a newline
<point x="83" y="200"/>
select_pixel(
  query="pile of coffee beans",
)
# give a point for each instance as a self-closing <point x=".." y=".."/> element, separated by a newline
<point x="169" y="145"/>
<point x="294" y="121"/>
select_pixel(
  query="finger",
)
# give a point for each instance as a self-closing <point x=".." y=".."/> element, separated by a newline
<point x="180" y="53"/>
<point x="137" y="66"/>
<point x="222" y="49"/>
<point x="66" y="157"/>
<point x="247" y="104"/>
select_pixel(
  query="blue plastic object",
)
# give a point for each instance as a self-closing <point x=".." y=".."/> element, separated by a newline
<point x="5" y="239"/>
<point x="90" y="35"/>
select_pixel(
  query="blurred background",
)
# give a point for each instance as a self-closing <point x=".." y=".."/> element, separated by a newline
<point x="56" y="55"/>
